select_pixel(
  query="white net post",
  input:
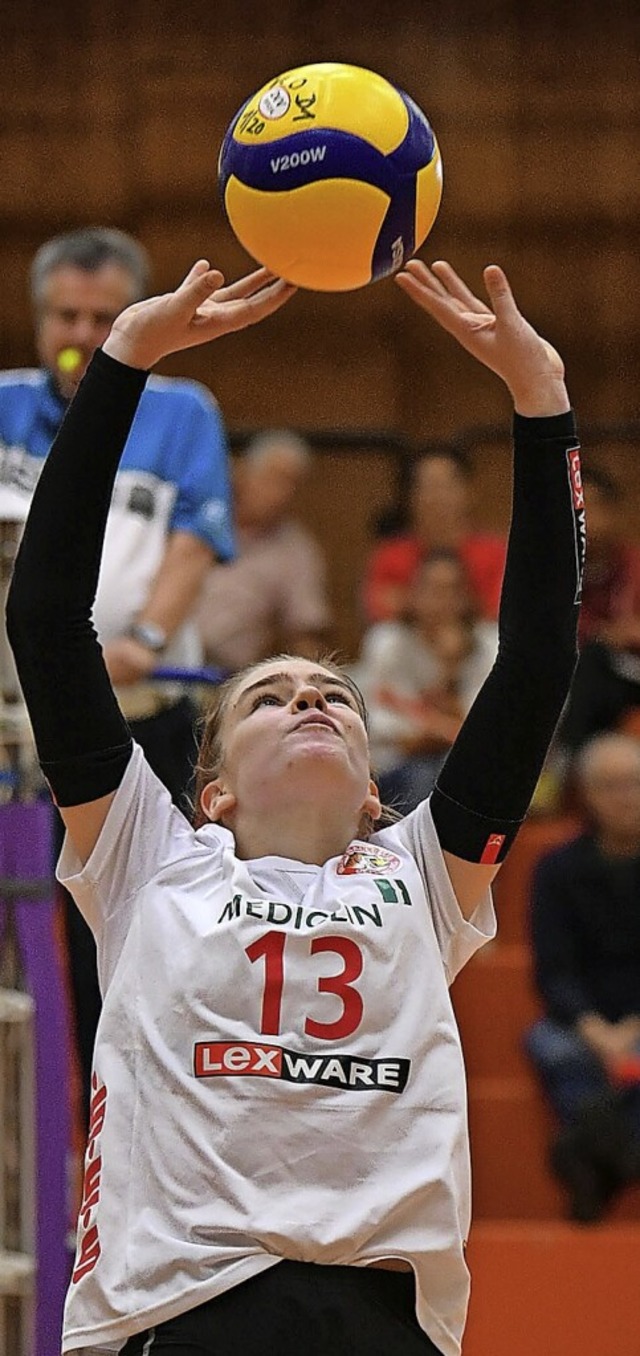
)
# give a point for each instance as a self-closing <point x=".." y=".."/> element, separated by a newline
<point x="17" y="1174"/>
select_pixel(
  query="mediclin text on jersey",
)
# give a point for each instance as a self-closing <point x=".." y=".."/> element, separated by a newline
<point x="283" y="915"/>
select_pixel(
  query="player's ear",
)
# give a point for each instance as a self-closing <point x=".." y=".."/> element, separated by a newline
<point x="217" y="801"/>
<point x="372" y="805"/>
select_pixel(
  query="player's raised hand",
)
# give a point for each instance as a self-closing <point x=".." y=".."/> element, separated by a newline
<point x="496" y="334"/>
<point x="199" y="310"/>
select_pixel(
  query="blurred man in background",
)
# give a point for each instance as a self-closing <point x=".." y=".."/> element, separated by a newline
<point x="169" y="519"/>
<point x="586" y="943"/>
<point x="440" y="520"/>
<point x="274" y="595"/>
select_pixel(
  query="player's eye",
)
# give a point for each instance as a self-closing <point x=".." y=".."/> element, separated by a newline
<point x="265" y="699"/>
<point x="337" y="695"/>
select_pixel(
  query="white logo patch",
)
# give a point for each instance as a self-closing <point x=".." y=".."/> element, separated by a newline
<point x="366" y="858"/>
<point x="275" y="103"/>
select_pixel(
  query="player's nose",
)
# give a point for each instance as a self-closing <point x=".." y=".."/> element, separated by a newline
<point x="308" y="697"/>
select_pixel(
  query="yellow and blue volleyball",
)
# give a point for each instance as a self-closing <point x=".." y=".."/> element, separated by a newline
<point x="330" y="176"/>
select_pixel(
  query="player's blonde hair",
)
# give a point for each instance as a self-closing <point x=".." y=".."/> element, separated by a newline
<point x="211" y="750"/>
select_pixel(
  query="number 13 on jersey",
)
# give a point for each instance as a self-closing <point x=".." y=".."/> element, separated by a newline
<point x="271" y="948"/>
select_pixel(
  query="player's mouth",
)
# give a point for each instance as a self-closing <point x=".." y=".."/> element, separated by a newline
<point x="317" y="718"/>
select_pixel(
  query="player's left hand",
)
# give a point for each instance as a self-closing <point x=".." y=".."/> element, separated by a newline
<point x="200" y="309"/>
<point x="497" y="335"/>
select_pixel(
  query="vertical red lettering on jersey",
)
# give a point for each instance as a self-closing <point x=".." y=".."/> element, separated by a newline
<point x="90" y="1190"/>
<point x="97" y="1109"/>
<point x="88" y="1237"/>
<point x="575" y="476"/>
<point x="89" y="1252"/>
<point x="491" y="850"/>
<point x="579" y="515"/>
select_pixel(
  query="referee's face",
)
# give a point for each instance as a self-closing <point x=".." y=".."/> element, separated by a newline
<point x="293" y="735"/>
<point x="76" y="312"/>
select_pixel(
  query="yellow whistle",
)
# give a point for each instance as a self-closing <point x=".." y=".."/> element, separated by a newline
<point x="69" y="359"/>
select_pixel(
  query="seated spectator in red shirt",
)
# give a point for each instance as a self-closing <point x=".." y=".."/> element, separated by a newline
<point x="420" y="677"/>
<point x="607" y="681"/>
<point x="274" y="594"/>
<point x="439" y="512"/>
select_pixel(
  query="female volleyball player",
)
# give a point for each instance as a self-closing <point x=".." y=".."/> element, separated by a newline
<point x="277" y="1159"/>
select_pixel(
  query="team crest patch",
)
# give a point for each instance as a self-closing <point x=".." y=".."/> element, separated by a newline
<point x="367" y="859"/>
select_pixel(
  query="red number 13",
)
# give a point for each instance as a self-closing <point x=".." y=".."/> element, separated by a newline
<point x="272" y="947"/>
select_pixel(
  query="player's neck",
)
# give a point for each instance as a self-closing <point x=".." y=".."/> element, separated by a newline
<point x="312" y="834"/>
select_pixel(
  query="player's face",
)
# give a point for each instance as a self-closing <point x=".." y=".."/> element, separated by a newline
<point x="76" y="313"/>
<point x="293" y="730"/>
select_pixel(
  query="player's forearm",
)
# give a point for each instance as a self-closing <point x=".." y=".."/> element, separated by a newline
<point x="68" y="694"/>
<point x="486" y="785"/>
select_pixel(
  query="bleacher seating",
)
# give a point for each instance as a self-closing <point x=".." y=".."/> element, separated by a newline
<point x="541" y="1286"/>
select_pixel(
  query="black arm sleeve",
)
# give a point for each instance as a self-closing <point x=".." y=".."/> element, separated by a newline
<point x="484" y="789"/>
<point x="82" y="738"/>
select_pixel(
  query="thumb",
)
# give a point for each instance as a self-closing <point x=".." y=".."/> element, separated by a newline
<point x="500" y="294"/>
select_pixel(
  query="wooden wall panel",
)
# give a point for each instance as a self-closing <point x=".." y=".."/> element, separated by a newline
<point x="114" y="111"/>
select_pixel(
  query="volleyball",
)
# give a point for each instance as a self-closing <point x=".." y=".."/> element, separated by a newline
<point x="330" y="176"/>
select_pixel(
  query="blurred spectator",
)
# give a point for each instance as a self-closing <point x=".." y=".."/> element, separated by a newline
<point x="586" y="942"/>
<point x="169" y="518"/>
<point x="440" y="520"/>
<point x="274" y="594"/>
<point x="420" y="677"/>
<point x="607" y="681"/>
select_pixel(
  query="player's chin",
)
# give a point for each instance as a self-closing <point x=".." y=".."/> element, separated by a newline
<point x="315" y="753"/>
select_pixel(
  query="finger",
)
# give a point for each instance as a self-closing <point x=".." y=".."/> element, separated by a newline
<point x="200" y="267"/>
<point x="500" y="294"/>
<point x="456" y="287"/>
<point x="245" y="287"/>
<point x="264" y="303"/>
<point x="239" y="312"/>
<point x="417" y="269"/>
<point x="194" y="292"/>
<point x="201" y="281"/>
<point x="429" y="294"/>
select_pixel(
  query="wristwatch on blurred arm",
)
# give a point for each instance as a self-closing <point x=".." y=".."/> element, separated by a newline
<point x="149" y="634"/>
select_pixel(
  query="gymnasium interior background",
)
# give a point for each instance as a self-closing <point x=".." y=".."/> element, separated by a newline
<point x="112" y="113"/>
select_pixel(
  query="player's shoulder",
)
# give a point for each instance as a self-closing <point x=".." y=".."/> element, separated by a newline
<point x="22" y="379"/>
<point x="179" y="392"/>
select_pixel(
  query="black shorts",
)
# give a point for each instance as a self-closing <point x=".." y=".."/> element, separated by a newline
<point x="298" y="1309"/>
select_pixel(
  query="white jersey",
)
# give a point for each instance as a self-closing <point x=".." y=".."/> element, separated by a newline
<point x="278" y="1071"/>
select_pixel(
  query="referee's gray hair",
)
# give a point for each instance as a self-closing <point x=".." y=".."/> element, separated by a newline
<point x="88" y="249"/>
<point x="263" y="443"/>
